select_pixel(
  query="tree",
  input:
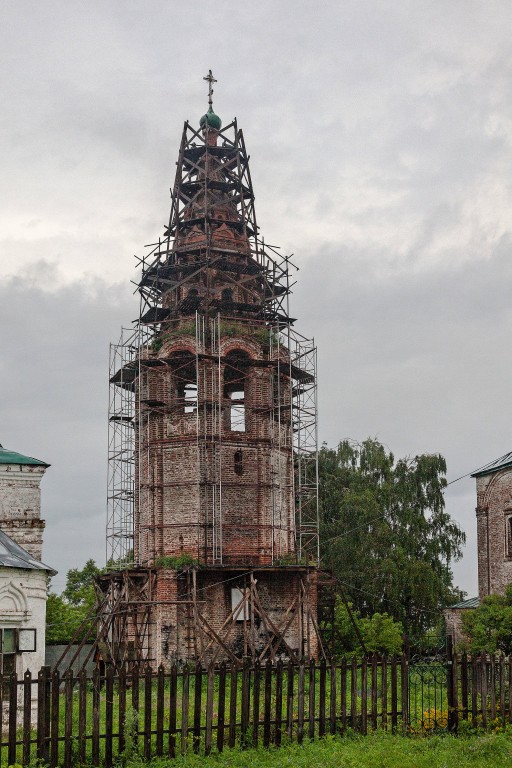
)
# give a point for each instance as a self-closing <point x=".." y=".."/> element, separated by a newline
<point x="379" y="633"/>
<point x="385" y="533"/>
<point x="488" y="628"/>
<point x="65" y="613"/>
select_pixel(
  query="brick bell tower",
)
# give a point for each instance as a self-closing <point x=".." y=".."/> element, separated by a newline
<point x="213" y="513"/>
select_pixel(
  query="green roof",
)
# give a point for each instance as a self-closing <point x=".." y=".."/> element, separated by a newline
<point x="494" y="466"/>
<point x="471" y="602"/>
<point x="11" y="457"/>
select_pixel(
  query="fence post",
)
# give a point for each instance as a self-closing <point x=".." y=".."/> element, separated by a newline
<point x="221" y="707"/>
<point x="404" y="668"/>
<point x="452" y="687"/>
<point x="42" y="708"/>
<point x="68" y="719"/>
<point x="160" y="712"/>
<point x="27" y="712"/>
<point x="13" y="712"/>
<point x="54" y="723"/>
<point x="198" y="691"/>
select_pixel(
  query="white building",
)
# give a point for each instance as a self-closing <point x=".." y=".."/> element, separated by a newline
<point x="23" y="577"/>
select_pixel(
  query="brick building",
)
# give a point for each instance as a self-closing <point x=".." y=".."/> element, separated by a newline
<point x="494" y="526"/>
<point x="494" y="537"/>
<point x="213" y="484"/>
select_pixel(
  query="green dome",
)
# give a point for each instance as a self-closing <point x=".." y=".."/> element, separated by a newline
<point x="212" y="119"/>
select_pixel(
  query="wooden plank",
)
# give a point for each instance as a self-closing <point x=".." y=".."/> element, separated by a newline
<point x="184" y="708"/>
<point x="353" y="694"/>
<point x="13" y="712"/>
<point x="135" y="706"/>
<point x="209" y="710"/>
<point x="221" y="707"/>
<point x="95" y="747"/>
<point x="364" y="695"/>
<point x="510" y="689"/>
<point x="148" y="711"/>
<point x="464" y="689"/>
<point x="233" y="693"/>
<point x="384" y="691"/>
<point x="474" y="691"/>
<point x="173" y="695"/>
<point x="121" y="703"/>
<point x="68" y="721"/>
<point x="27" y="711"/>
<point x="55" y="720"/>
<point x="82" y="716"/>
<point x="343" y="694"/>
<point x="278" y="733"/>
<point x="492" y="686"/>
<point x="501" y="672"/>
<point x="374" y="692"/>
<point x="47" y="704"/>
<point x="300" y="700"/>
<point x="246" y="694"/>
<point x="109" y="716"/>
<point x="394" y="694"/>
<point x="198" y="691"/>
<point x="483" y="688"/>
<point x="332" y="699"/>
<point x="160" y="694"/>
<point x="256" y="703"/>
<point x="321" y="699"/>
<point x="267" y="703"/>
<point x="40" y="712"/>
<point x="404" y="682"/>
<point x="289" y="699"/>
<point x="311" y="699"/>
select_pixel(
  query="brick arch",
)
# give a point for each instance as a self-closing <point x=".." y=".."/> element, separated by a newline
<point x="251" y="348"/>
<point x="179" y="344"/>
<point x="494" y="482"/>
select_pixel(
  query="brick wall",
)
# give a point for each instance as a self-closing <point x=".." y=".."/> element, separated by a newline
<point x="494" y="508"/>
<point x="20" y="506"/>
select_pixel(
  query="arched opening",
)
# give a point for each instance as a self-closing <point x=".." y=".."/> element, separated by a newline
<point x="227" y="295"/>
<point x="184" y="381"/>
<point x="235" y="389"/>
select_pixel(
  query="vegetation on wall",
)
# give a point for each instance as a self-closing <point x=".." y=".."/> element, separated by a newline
<point x="385" y="532"/>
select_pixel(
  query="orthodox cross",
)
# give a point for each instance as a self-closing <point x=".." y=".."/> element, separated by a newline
<point x="210" y="79"/>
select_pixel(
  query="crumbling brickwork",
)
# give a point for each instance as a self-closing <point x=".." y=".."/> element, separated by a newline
<point x="20" y="505"/>
<point x="217" y="394"/>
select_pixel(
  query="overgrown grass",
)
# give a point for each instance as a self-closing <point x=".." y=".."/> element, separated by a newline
<point x="377" y="750"/>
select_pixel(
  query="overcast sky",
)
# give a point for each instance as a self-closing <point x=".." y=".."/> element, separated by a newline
<point x="380" y="135"/>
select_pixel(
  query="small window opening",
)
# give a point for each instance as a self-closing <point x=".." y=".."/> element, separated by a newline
<point x="190" y="392"/>
<point x="508" y="535"/>
<point x="193" y="292"/>
<point x="237" y="411"/>
<point x="239" y="605"/>
<point x="239" y="463"/>
<point x="8" y="648"/>
<point x="227" y="295"/>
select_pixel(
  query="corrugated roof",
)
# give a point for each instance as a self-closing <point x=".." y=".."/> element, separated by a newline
<point x="494" y="466"/>
<point x="471" y="602"/>
<point x="14" y="556"/>
<point x="11" y="457"/>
